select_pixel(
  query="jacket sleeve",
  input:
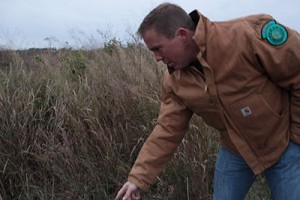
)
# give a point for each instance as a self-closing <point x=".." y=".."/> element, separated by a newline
<point x="161" y="144"/>
<point x="281" y="62"/>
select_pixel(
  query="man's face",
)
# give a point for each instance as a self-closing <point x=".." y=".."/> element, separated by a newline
<point x="172" y="52"/>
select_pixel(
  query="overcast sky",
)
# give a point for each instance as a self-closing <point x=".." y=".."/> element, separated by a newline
<point x="59" y="23"/>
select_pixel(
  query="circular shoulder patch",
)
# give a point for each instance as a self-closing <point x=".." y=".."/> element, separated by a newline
<point x="274" y="33"/>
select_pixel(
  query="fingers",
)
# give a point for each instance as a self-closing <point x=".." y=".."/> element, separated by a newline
<point x="131" y="195"/>
<point x="121" y="192"/>
<point x="136" y="195"/>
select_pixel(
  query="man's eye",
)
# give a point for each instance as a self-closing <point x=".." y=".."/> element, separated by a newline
<point x="158" y="49"/>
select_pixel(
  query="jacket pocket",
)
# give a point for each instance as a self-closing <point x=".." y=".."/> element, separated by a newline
<point x="258" y="122"/>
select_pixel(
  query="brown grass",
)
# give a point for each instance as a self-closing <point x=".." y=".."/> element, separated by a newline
<point x="72" y="123"/>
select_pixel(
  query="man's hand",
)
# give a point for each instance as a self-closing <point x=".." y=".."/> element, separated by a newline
<point x="130" y="192"/>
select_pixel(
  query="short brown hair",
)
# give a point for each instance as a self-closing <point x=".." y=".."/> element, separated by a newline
<point x="166" y="18"/>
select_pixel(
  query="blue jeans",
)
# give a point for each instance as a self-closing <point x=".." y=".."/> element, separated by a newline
<point x="233" y="177"/>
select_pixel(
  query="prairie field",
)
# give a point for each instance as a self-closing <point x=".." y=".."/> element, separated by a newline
<point x="73" y="121"/>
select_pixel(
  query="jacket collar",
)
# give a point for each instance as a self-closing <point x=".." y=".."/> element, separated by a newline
<point x="200" y="33"/>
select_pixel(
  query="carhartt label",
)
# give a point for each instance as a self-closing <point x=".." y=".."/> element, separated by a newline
<point x="246" y="111"/>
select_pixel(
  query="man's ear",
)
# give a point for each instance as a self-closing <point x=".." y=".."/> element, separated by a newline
<point x="182" y="34"/>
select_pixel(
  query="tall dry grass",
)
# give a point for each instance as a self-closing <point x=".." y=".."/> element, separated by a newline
<point x="72" y="123"/>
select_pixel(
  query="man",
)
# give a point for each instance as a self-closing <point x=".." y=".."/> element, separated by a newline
<point x="243" y="78"/>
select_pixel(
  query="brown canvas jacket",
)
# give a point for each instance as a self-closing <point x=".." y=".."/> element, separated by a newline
<point x="250" y="92"/>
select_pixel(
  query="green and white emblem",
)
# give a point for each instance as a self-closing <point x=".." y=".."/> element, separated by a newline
<point x="274" y="33"/>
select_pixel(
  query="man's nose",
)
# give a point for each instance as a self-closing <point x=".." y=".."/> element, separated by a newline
<point x="158" y="57"/>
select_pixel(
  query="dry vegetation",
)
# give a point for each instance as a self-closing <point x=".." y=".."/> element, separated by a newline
<point x="72" y="123"/>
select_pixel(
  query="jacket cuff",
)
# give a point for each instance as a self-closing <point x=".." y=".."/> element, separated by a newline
<point x="143" y="186"/>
